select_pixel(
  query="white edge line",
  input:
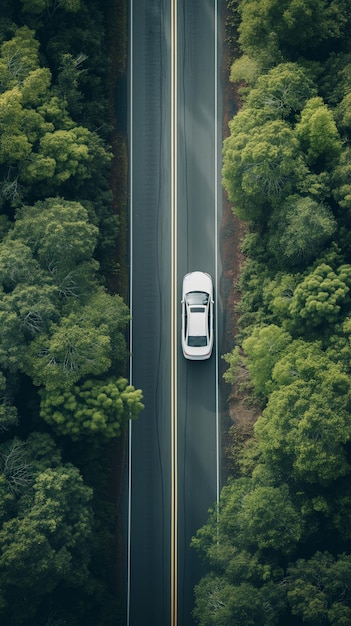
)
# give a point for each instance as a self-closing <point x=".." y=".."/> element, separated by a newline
<point x="130" y="309"/>
<point x="174" y="363"/>
<point x="218" y="431"/>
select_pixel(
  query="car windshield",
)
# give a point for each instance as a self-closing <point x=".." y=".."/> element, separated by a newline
<point x="197" y="341"/>
<point x="197" y="297"/>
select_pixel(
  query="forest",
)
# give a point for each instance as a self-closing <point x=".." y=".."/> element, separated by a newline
<point x="278" y="546"/>
<point x="64" y="394"/>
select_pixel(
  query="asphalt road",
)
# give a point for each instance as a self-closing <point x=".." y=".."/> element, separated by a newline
<point x="199" y="214"/>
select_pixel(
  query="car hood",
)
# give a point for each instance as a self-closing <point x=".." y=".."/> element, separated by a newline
<point x="197" y="281"/>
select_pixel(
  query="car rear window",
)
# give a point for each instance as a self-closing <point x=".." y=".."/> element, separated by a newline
<point x="197" y="341"/>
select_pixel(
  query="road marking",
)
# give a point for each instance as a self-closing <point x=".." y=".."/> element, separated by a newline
<point x="216" y="178"/>
<point x="174" y="333"/>
<point x="130" y="309"/>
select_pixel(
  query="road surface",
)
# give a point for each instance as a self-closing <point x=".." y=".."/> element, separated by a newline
<point x="192" y="163"/>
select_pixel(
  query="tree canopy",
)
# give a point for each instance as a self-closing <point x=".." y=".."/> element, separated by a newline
<point x="63" y="351"/>
<point x="277" y="544"/>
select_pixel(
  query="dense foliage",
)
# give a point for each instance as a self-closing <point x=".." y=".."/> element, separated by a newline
<point x="279" y="547"/>
<point x="64" y="398"/>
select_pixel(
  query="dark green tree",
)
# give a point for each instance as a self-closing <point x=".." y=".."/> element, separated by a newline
<point x="292" y="28"/>
<point x="25" y="313"/>
<point x="39" y="6"/>
<point x="46" y="544"/>
<point x="319" y="589"/>
<point x="62" y="240"/>
<point x="219" y="603"/>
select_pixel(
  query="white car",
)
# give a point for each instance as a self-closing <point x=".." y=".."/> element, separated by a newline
<point x="197" y="316"/>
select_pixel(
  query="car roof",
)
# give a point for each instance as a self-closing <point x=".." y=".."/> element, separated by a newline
<point x="197" y="321"/>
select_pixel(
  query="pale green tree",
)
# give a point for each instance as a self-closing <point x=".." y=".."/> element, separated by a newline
<point x="318" y="134"/>
<point x="341" y="181"/>
<point x="301" y="231"/>
<point x="320" y="297"/>
<point x="282" y="92"/>
<point x="18" y="57"/>
<point x="261" y="165"/>
<point x="95" y="409"/>
<point x="263" y="348"/>
<point x="304" y="428"/>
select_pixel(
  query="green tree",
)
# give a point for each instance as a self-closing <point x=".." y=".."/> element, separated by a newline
<point x="304" y="428"/>
<point x="301" y="231"/>
<point x="260" y="166"/>
<point x="18" y="57"/>
<point x="319" y="589"/>
<point x="253" y="516"/>
<point x="74" y="348"/>
<point x="84" y="343"/>
<point x="318" y="134"/>
<point x="272" y="29"/>
<point x="39" y="143"/>
<point x="14" y="466"/>
<point x="278" y="293"/>
<point x="34" y="92"/>
<point x="320" y="298"/>
<point x="263" y="348"/>
<point x="245" y="586"/>
<point x="62" y="240"/>
<point x="39" y="6"/>
<point x="14" y="144"/>
<point x="93" y="409"/>
<point x="219" y="603"/>
<point x="245" y="69"/>
<point x="24" y="313"/>
<point x="17" y="264"/>
<point x="8" y="411"/>
<point x="341" y="181"/>
<point x="268" y="520"/>
<point x="70" y="72"/>
<point x="46" y="544"/>
<point x="281" y="93"/>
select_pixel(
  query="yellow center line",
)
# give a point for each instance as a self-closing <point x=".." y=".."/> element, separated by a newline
<point x="174" y="470"/>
